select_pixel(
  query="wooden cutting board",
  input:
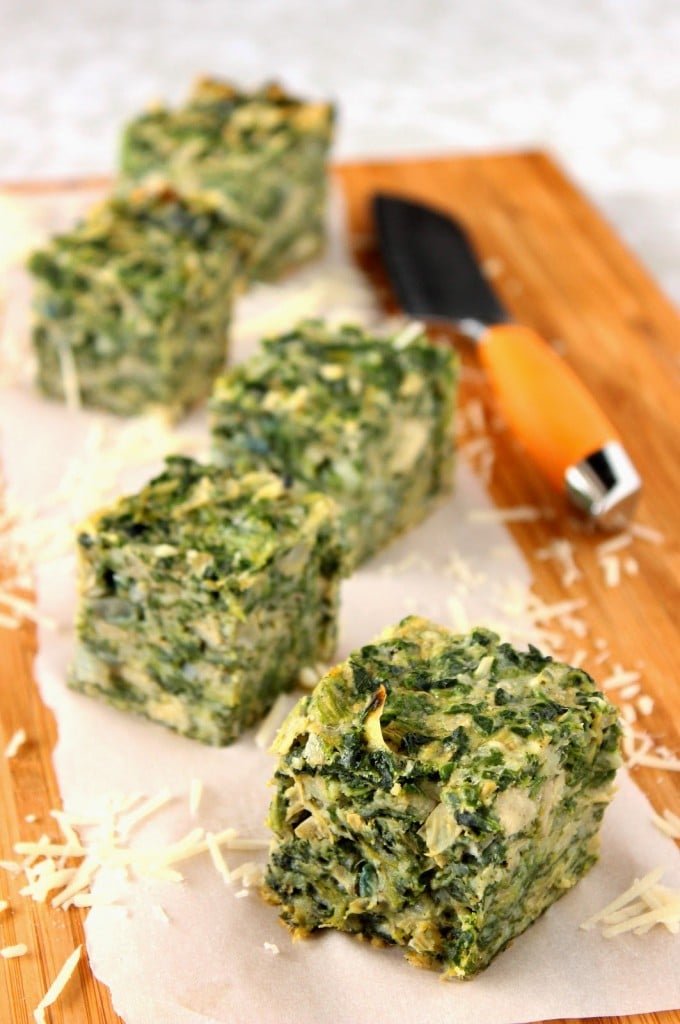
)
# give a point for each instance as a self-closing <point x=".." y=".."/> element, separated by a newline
<point x="562" y="270"/>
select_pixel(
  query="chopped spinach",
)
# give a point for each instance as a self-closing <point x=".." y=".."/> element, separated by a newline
<point x="263" y="152"/>
<point x="202" y="617"/>
<point x="445" y="826"/>
<point x="129" y="313"/>
<point x="365" y="419"/>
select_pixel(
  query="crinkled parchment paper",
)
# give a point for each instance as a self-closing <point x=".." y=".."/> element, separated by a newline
<point x="195" y="951"/>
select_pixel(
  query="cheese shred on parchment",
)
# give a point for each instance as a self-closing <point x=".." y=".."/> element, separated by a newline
<point x="64" y="870"/>
<point x="57" y="986"/>
<point x="272" y="721"/>
<point x="195" y="795"/>
<point x="641" y="907"/>
<point x="218" y="860"/>
<point x="38" y="533"/>
<point x="514" y="514"/>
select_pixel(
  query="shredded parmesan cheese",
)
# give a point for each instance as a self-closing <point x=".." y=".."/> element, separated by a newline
<point x="272" y="720"/>
<point x="57" y="986"/>
<point x="639" y="749"/>
<point x="66" y="869"/>
<point x="250" y="874"/>
<point x="16" y="743"/>
<point x="272" y="948"/>
<point x="647" y="533"/>
<point x="90" y="899"/>
<point x="516" y="514"/>
<point x="407" y="335"/>
<point x="148" y="808"/>
<point x="248" y="844"/>
<point x="667" y="763"/>
<point x="307" y="677"/>
<point x="609" y="547"/>
<point x="461" y="570"/>
<point x="195" y="794"/>
<point x="611" y="569"/>
<point x="620" y="678"/>
<point x="629" y="713"/>
<point x="559" y="610"/>
<point x="21" y="607"/>
<point x="645" y="704"/>
<point x="37" y="533"/>
<point x="639" y="886"/>
<point x="562" y="551"/>
<point x="669" y="823"/>
<point x="11" y="952"/>
<point x="217" y="858"/>
<point x="641" y="907"/>
<point x="578" y="657"/>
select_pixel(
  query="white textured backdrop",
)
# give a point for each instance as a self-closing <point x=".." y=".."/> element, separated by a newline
<point x="595" y="81"/>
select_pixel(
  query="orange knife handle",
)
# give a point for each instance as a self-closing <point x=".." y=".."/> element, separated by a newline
<point x="543" y="401"/>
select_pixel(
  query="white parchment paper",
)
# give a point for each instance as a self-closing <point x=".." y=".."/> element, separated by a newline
<point x="195" y="951"/>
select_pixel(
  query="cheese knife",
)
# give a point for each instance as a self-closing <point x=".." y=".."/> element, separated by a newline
<point x="437" y="277"/>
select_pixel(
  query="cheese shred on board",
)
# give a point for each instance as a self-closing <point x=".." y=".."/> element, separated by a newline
<point x="57" y="987"/>
<point x="16" y="743"/>
<point x="12" y="952"/>
<point x="668" y="823"/>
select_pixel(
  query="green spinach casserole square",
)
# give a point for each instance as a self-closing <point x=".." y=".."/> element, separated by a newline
<point x="362" y="417"/>
<point x="264" y="152"/>
<point x="202" y="596"/>
<point x="131" y="307"/>
<point x="438" y="792"/>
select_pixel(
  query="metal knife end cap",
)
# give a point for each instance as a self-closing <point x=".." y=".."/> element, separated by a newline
<point x="605" y="485"/>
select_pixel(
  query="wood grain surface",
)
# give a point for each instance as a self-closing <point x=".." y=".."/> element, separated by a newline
<point x="562" y="270"/>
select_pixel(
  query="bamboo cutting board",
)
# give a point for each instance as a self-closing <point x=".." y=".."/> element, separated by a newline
<point x="561" y="270"/>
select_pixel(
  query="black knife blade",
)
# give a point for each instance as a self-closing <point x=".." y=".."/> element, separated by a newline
<point x="436" y="275"/>
<point x="432" y="265"/>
